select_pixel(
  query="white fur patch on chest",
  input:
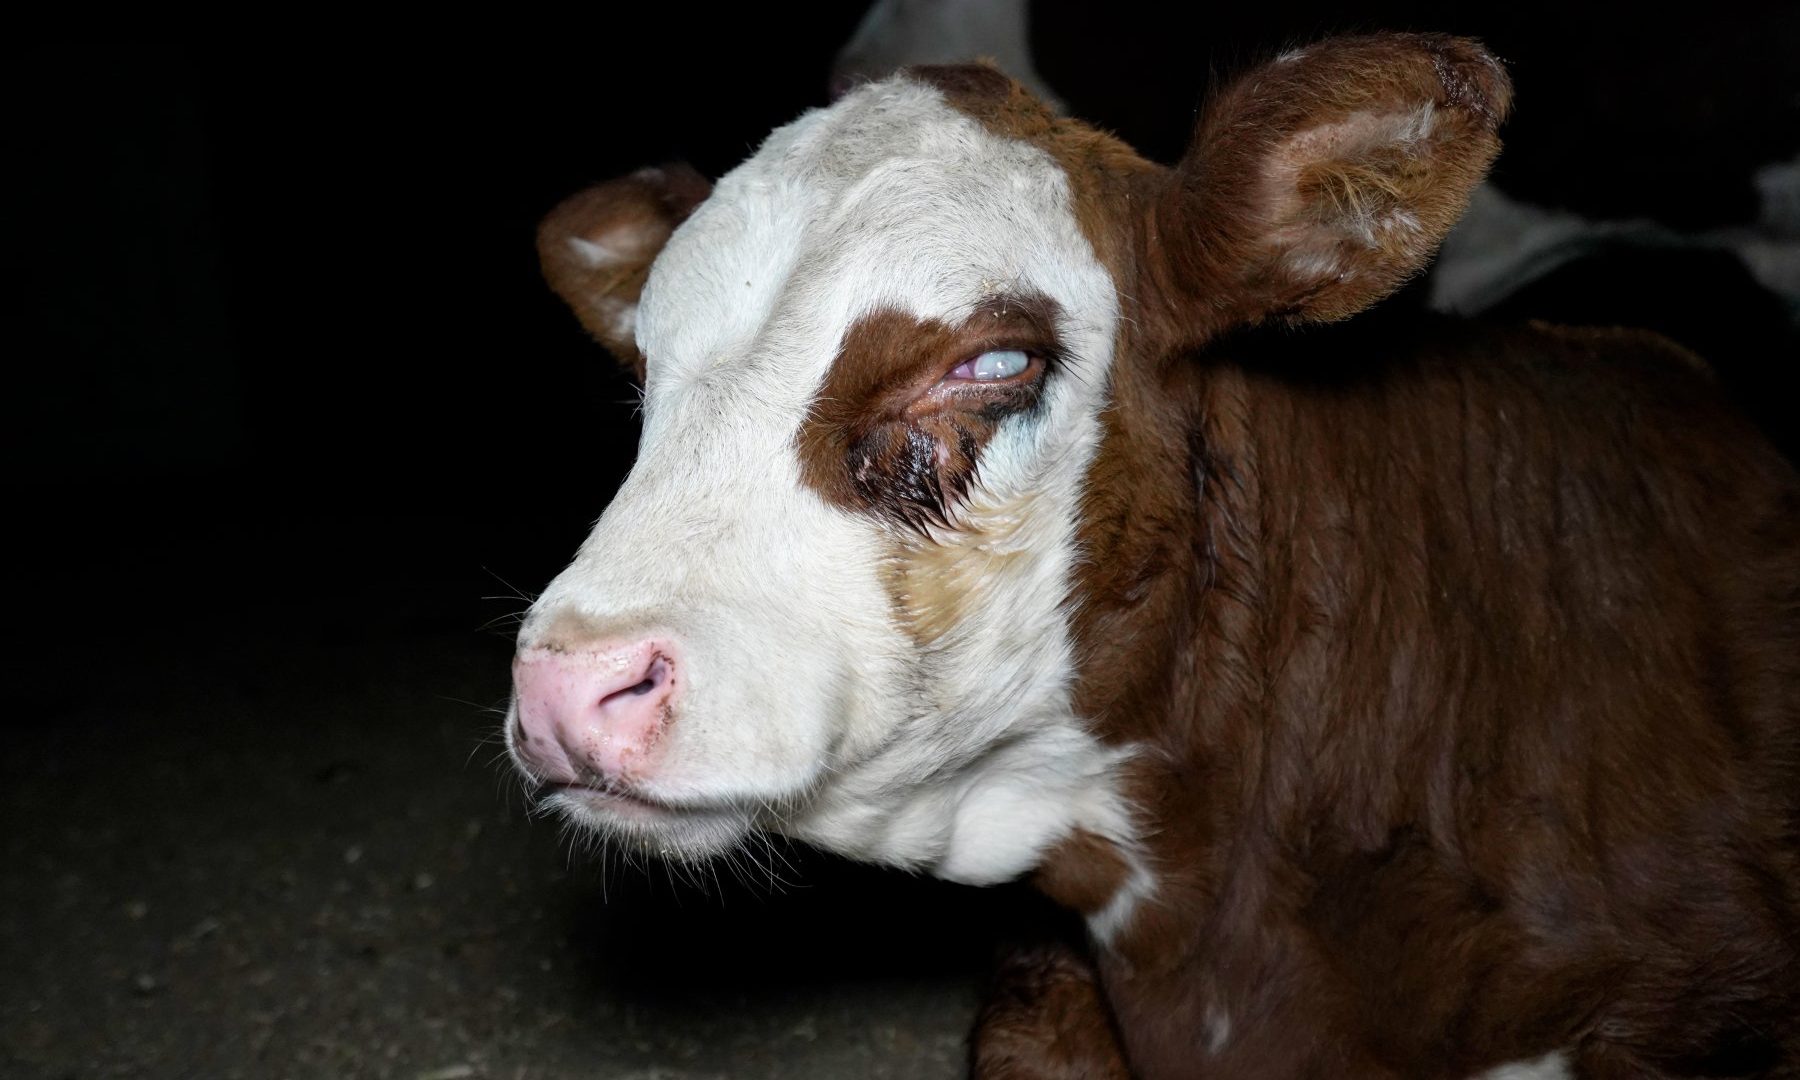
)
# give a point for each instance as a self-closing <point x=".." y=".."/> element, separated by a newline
<point x="985" y="822"/>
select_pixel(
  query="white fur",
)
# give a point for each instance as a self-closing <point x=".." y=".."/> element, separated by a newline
<point x="1140" y="886"/>
<point x="595" y="254"/>
<point x="1549" y="1067"/>
<point x="1217" y="1025"/>
<point x="806" y="708"/>
<point x="622" y="320"/>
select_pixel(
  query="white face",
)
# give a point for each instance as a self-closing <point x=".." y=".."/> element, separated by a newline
<point x="811" y="702"/>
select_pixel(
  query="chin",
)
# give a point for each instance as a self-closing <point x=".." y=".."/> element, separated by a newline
<point x="682" y="834"/>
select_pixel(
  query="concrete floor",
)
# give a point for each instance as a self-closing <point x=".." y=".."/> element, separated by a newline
<point x="273" y="843"/>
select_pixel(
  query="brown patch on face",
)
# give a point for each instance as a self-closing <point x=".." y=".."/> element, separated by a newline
<point x="888" y="436"/>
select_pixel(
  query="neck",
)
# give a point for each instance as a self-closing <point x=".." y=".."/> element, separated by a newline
<point x="1165" y="620"/>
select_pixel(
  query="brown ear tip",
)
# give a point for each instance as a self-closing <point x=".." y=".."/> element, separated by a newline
<point x="1473" y="78"/>
<point x="681" y="186"/>
<point x="574" y="215"/>
<point x="653" y="199"/>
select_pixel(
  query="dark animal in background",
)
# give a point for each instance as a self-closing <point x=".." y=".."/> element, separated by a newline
<point x="1399" y="699"/>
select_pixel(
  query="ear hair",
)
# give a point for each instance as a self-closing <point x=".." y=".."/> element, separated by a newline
<point x="1319" y="182"/>
<point x="596" y="248"/>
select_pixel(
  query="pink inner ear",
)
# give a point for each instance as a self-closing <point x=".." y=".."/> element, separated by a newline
<point x="1347" y="184"/>
<point x="1367" y="144"/>
<point x="1361" y="132"/>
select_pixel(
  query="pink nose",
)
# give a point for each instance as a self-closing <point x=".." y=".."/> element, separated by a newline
<point x="593" y="715"/>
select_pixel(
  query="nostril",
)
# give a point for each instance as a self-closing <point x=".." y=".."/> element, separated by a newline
<point x="657" y="676"/>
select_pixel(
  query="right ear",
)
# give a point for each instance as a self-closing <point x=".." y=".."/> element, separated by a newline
<point x="597" y="246"/>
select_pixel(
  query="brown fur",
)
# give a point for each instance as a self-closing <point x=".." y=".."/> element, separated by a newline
<point x="1463" y="664"/>
<point x="1467" y="663"/>
<point x="881" y="436"/>
<point x="1300" y="200"/>
<point x="632" y="217"/>
<point x="1472" y="705"/>
<point x="1045" y="1019"/>
<point x="1082" y="872"/>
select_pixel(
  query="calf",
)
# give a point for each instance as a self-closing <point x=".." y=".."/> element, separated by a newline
<point x="1390" y="700"/>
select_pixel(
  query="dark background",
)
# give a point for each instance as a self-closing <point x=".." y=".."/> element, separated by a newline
<point x="292" y="423"/>
<point x="293" y="285"/>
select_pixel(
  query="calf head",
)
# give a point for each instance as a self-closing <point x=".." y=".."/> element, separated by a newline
<point x="833" y="598"/>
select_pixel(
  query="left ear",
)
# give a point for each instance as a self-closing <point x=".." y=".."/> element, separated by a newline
<point x="1319" y="182"/>
<point x="597" y="246"/>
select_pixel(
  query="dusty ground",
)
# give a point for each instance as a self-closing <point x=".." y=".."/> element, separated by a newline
<point x="259" y="835"/>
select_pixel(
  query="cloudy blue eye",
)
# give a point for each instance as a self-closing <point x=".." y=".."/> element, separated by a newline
<point x="991" y="366"/>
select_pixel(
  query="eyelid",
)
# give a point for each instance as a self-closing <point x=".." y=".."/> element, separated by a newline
<point x="960" y="393"/>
